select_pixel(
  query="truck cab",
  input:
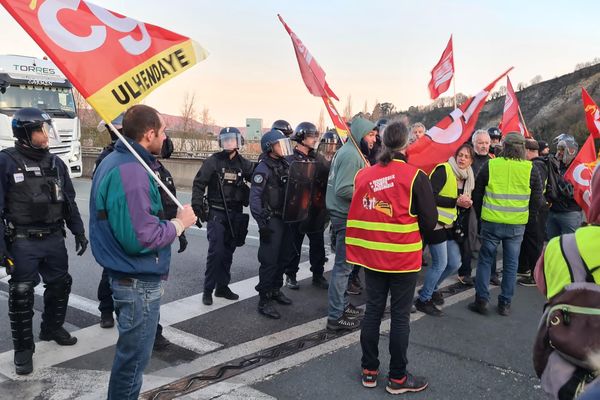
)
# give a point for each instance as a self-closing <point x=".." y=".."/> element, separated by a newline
<point x="33" y="82"/>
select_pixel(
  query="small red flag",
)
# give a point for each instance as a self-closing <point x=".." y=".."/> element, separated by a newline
<point x="441" y="141"/>
<point x="579" y="173"/>
<point x="510" y="119"/>
<point x="442" y="73"/>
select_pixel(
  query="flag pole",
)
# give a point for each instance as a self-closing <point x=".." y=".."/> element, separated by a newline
<point x="139" y="158"/>
<point x="522" y="119"/>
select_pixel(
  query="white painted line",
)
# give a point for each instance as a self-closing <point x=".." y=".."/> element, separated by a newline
<point x="232" y="391"/>
<point x="94" y="338"/>
<point x="188" y="341"/>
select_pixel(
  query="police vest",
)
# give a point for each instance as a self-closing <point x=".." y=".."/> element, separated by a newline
<point x="447" y="215"/>
<point x="381" y="233"/>
<point x="557" y="271"/>
<point x="36" y="194"/>
<point x="227" y="182"/>
<point x="506" y="198"/>
<point x="274" y="191"/>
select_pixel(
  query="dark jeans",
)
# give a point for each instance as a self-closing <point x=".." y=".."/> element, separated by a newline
<point x="533" y="243"/>
<point x="221" y="247"/>
<point x="316" y="252"/>
<point x="402" y="290"/>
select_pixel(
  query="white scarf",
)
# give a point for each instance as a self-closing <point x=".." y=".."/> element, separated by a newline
<point x="465" y="175"/>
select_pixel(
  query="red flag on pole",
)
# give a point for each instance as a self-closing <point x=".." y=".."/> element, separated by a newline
<point x="314" y="79"/>
<point x="510" y="119"/>
<point x="442" y="73"/>
<point x="114" y="61"/>
<point x="441" y="141"/>
<point x="579" y="173"/>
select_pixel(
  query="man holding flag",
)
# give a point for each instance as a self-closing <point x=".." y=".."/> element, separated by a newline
<point x="133" y="243"/>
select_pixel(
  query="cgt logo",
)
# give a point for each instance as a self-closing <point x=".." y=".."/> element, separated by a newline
<point x="48" y="18"/>
<point x="582" y="174"/>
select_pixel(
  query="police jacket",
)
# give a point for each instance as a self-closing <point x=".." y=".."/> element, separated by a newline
<point x="564" y="203"/>
<point x="267" y="193"/>
<point x="36" y="191"/>
<point x="220" y="172"/>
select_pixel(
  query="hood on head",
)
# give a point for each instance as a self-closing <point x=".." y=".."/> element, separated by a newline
<point x="360" y="127"/>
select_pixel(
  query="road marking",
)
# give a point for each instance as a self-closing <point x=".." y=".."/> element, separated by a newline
<point x="94" y="338"/>
<point x="188" y="341"/>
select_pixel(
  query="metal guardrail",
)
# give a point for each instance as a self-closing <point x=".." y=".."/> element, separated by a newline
<point x="195" y="155"/>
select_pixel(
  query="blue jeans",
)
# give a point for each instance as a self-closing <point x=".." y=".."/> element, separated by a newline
<point x="445" y="261"/>
<point x="338" y="299"/>
<point x="492" y="234"/>
<point x="559" y="223"/>
<point x="137" y="305"/>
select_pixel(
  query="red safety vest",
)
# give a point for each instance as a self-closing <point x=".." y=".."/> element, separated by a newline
<point x="381" y="233"/>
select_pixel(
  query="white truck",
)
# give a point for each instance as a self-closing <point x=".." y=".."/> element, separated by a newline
<point x="33" y="82"/>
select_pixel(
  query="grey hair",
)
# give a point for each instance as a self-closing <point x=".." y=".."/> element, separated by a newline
<point x="479" y="132"/>
<point x="417" y="125"/>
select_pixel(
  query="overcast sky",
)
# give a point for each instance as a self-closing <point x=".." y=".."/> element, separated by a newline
<point x="372" y="50"/>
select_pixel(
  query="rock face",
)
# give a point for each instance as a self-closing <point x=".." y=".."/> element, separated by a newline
<point x="549" y="107"/>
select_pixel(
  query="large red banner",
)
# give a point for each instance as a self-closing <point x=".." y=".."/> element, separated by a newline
<point x="441" y="141"/>
<point x="442" y="73"/>
<point x="113" y="60"/>
<point x="579" y="173"/>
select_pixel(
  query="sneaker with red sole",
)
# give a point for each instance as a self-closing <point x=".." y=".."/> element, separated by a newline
<point x="369" y="378"/>
<point x="409" y="383"/>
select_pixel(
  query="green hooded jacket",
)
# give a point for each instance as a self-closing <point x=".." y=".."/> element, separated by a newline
<point x="346" y="163"/>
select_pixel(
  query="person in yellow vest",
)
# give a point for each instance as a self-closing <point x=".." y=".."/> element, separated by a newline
<point x="392" y="204"/>
<point x="507" y="190"/>
<point x="452" y="183"/>
<point x="552" y="273"/>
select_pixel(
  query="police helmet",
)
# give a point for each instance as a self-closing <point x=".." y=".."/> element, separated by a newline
<point x="28" y="120"/>
<point x="117" y="123"/>
<point x="303" y="130"/>
<point x="568" y="145"/>
<point x="330" y="137"/>
<point x="283" y="126"/>
<point x="272" y="137"/>
<point x="494" y="133"/>
<point x="230" y="139"/>
<point x="381" y="122"/>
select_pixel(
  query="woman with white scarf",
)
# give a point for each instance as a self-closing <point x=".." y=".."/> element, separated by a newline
<point x="452" y="183"/>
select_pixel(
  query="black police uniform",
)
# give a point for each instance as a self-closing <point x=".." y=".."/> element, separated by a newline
<point x="224" y="179"/>
<point x="37" y="199"/>
<point x="317" y="242"/>
<point x="267" y="197"/>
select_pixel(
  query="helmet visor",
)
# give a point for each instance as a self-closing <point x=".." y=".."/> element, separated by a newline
<point x="230" y="141"/>
<point x="285" y="147"/>
<point x="51" y="133"/>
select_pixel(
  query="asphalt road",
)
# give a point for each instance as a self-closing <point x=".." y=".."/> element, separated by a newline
<point x="465" y="356"/>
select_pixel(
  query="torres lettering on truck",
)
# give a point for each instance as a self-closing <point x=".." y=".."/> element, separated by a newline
<point x="33" y="82"/>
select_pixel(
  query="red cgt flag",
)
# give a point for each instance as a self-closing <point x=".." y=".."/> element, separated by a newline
<point x="510" y="119"/>
<point x="314" y="79"/>
<point x="442" y="73"/>
<point x="579" y="173"/>
<point x="113" y="61"/>
<point x="441" y="141"/>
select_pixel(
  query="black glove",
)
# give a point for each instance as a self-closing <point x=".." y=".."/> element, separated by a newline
<point x="7" y="261"/>
<point x="81" y="243"/>
<point x="265" y="234"/>
<point x="198" y="223"/>
<point x="182" y="243"/>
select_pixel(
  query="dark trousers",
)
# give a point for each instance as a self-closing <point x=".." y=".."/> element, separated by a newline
<point x="272" y="256"/>
<point x="34" y="257"/>
<point x="316" y="251"/>
<point x="401" y="287"/>
<point x="221" y="247"/>
<point x="106" y="299"/>
<point x="466" y="256"/>
<point x="533" y="242"/>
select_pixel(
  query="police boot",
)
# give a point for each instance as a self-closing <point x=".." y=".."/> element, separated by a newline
<point x="281" y="298"/>
<point x="56" y="297"/>
<point x="319" y="281"/>
<point x="20" y="313"/>
<point x="266" y="308"/>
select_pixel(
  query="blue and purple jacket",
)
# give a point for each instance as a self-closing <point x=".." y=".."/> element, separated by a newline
<point x="126" y="233"/>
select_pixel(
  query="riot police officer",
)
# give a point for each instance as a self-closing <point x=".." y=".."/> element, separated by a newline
<point x="267" y="198"/>
<point x="306" y="137"/>
<point x="221" y="185"/>
<point x="283" y="126"/>
<point x="37" y="200"/>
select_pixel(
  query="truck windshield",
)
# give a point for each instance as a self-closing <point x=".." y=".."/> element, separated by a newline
<point x="56" y="101"/>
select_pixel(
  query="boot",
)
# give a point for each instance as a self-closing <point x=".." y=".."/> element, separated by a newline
<point x="207" y="299"/>
<point x="291" y="282"/>
<point x="319" y="281"/>
<point x="20" y="313"/>
<point x="479" y="306"/>
<point x="56" y="298"/>
<point x="280" y="298"/>
<point x="226" y="293"/>
<point x="266" y="308"/>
